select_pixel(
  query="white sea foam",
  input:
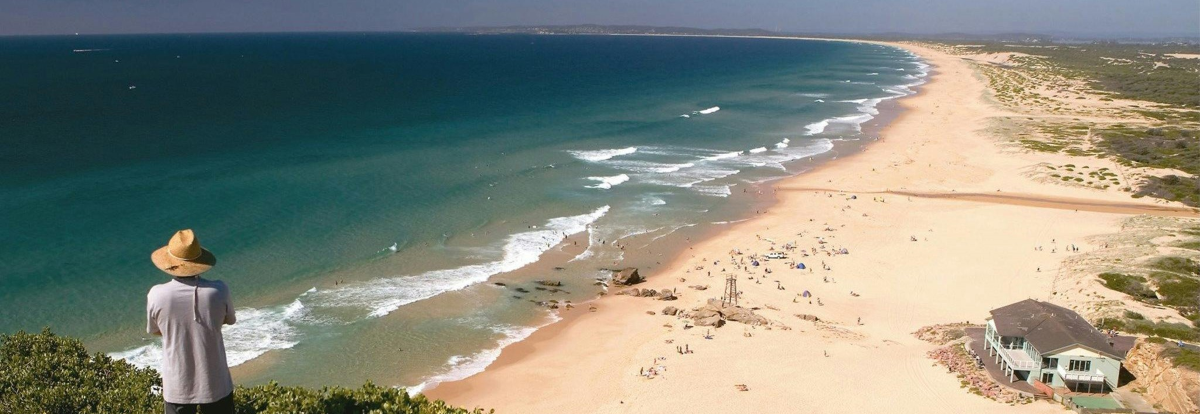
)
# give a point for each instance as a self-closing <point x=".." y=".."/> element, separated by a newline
<point x="691" y="176"/>
<point x="817" y="127"/>
<point x="588" y="252"/>
<point x="721" y="156"/>
<point x="604" y="154"/>
<point x="867" y="106"/>
<point x="729" y="222"/>
<point x="608" y="182"/>
<point x="819" y="100"/>
<point x="814" y="95"/>
<point x="855" y="121"/>
<point x="384" y="296"/>
<point x="674" y="167"/>
<point x="703" y="178"/>
<point x="757" y="150"/>
<point x="460" y="367"/>
<point x="710" y="110"/>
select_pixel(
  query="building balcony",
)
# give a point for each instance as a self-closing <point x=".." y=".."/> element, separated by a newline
<point x="1079" y="376"/>
<point x="1016" y="358"/>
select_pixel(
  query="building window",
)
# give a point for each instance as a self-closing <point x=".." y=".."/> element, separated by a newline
<point x="1080" y="365"/>
<point x="1049" y="362"/>
<point x="1047" y="378"/>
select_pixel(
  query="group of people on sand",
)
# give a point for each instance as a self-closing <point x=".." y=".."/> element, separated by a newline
<point x="655" y="369"/>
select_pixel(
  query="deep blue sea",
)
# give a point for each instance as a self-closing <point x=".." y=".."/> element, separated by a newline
<point x="364" y="192"/>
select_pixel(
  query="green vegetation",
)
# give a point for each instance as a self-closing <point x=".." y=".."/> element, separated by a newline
<point x="1154" y="147"/>
<point x="1129" y="284"/>
<point x="1176" y="280"/>
<point x="1141" y="72"/>
<point x="50" y="374"/>
<point x="1178" y="284"/>
<point x="1150" y="328"/>
<point x="1171" y="148"/>
<point x="1133" y="315"/>
<point x="1190" y="245"/>
<point x="1180" y="265"/>
<point x="1181" y="357"/>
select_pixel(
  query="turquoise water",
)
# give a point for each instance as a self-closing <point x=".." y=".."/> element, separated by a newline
<point x="302" y="159"/>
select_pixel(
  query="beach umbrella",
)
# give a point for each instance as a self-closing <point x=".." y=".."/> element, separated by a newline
<point x="806" y="294"/>
<point x="800" y="266"/>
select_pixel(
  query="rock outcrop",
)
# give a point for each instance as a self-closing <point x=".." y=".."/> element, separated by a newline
<point x="670" y="311"/>
<point x="665" y="294"/>
<point x="627" y="276"/>
<point x="714" y="314"/>
<point x="1160" y="382"/>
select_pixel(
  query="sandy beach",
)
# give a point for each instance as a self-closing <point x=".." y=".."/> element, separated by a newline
<point x="941" y="224"/>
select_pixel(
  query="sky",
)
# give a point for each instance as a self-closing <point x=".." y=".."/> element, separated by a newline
<point x="1083" y="17"/>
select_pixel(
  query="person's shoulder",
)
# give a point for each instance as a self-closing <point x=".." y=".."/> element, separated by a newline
<point x="217" y="284"/>
<point x="159" y="288"/>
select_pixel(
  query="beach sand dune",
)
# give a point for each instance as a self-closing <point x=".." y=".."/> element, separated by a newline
<point x="930" y="241"/>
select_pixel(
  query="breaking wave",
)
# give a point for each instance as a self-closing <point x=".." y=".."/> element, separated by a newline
<point x="608" y="182"/>
<point x="604" y="154"/>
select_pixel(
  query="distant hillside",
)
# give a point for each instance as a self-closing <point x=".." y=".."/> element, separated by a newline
<point x="601" y="29"/>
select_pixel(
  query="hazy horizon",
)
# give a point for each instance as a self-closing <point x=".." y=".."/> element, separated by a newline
<point x="1163" y="18"/>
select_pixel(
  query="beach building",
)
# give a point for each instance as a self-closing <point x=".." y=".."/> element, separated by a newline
<point x="1040" y="342"/>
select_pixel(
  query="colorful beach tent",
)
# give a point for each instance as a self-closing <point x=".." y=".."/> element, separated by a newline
<point x="800" y="266"/>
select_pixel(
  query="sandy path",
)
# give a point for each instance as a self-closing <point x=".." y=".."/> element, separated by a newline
<point x="974" y="251"/>
<point x="1039" y="201"/>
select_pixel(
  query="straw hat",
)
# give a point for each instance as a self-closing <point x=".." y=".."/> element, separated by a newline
<point x="183" y="256"/>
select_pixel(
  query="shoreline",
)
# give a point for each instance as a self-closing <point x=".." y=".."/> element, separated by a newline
<point x="763" y="197"/>
<point x="586" y="357"/>
<point x="890" y="111"/>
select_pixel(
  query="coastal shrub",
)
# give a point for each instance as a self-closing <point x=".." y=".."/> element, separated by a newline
<point x="1133" y="315"/>
<point x="273" y="398"/>
<point x="1179" y="292"/>
<point x="1169" y="149"/>
<point x="47" y="373"/>
<point x="1170" y="330"/>
<point x="1131" y="285"/>
<point x="50" y="374"/>
<point x="1171" y="187"/>
<point x="1182" y="357"/>
<point x="1180" y="265"/>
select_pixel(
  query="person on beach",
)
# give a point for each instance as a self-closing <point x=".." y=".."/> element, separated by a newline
<point x="188" y="313"/>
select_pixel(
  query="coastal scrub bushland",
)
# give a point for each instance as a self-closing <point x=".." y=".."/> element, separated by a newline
<point x="52" y="374"/>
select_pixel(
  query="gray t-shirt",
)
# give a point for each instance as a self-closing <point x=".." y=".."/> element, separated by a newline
<point x="188" y="312"/>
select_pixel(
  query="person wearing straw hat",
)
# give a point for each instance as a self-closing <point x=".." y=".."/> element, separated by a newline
<point x="188" y="313"/>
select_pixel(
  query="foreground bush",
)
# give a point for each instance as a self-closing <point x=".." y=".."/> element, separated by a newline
<point x="47" y="373"/>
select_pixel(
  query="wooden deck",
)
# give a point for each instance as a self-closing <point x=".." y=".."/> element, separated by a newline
<point x="993" y="369"/>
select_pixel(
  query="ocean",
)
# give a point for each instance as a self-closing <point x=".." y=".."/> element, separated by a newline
<point x="381" y="205"/>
